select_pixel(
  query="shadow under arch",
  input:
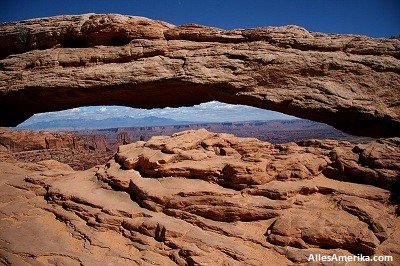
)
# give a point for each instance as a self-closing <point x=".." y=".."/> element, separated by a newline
<point x="16" y="107"/>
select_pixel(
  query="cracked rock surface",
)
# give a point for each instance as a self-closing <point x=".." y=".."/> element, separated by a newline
<point x="350" y="82"/>
<point x="201" y="198"/>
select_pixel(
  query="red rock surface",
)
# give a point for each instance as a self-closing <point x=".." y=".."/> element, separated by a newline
<point x="350" y="82"/>
<point x="201" y="198"/>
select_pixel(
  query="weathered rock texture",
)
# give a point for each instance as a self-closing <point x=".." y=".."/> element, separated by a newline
<point x="350" y="82"/>
<point x="200" y="198"/>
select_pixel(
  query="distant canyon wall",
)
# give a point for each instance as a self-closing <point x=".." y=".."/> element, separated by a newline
<point x="27" y="140"/>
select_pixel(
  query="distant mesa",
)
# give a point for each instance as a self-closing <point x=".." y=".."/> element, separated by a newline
<point x="115" y="122"/>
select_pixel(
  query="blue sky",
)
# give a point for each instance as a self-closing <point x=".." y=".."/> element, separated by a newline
<point x="376" y="18"/>
<point x="206" y="112"/>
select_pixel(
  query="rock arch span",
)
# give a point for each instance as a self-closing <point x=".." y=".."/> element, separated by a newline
<point x="350" y="82"/>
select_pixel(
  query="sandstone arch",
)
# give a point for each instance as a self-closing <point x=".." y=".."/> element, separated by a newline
<point x="350" y="82"/>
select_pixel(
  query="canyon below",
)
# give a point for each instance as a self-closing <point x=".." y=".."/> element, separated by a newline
<point x="250" y="193"/>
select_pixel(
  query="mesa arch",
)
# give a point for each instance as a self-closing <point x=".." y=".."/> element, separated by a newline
<point x="350" y="82"/>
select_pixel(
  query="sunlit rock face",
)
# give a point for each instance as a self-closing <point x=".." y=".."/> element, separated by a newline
<point x="350" y="82"/>
<point x="201" y="198"/>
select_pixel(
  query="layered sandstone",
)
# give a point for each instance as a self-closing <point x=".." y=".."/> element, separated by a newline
<point x="201" y="198"/>
<point x="348" y="81"/>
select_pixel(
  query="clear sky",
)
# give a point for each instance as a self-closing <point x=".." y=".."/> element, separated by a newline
<point x="376" y="18"/>
<point x="206" y="112"/>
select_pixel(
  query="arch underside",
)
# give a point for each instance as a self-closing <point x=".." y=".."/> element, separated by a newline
<point x="177" y="94"/>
